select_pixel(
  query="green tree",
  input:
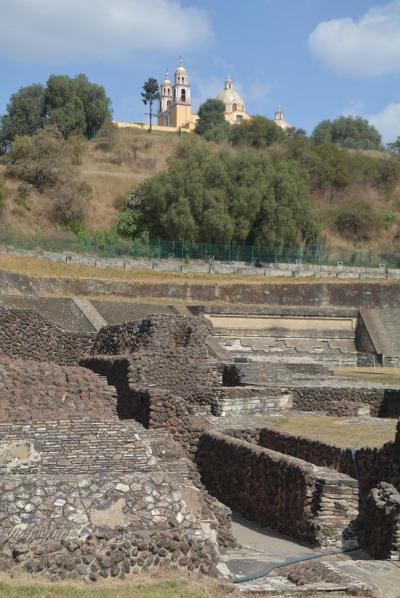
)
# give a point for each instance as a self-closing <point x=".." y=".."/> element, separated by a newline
<point x="150" y="94"/>
<point x="394" y="147"/>
<point x="74" y="105"/>
<point x="257" y="132"/>
<point x="294" y="133"/>
<point x="348" y="131"/>
<point x="323" y="132"/>
<point x="227" y="197"/>
<point x="211" y="123"/>
<point x="25" y="115"/>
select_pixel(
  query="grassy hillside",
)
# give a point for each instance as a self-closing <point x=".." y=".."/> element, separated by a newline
<point x="116" y="164"/>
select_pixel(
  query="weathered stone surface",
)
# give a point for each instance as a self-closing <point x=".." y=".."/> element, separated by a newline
<point x="26" y="334"/>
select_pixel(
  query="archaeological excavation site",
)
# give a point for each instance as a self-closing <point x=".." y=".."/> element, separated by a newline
<point x="250" y="437"/>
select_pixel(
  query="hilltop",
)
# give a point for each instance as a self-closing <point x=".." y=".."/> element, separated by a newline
<point x="120" y="161"/>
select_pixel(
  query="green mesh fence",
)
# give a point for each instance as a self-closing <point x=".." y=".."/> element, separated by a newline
<point x="107" y="245"/>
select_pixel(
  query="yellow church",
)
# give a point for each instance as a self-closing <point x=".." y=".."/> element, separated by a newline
<point x="176" y="103"/>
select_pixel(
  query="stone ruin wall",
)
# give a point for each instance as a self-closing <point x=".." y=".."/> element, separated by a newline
<point x="32" y="390"/>
<point x="344" y="402"/>
<point x="161" y="363"/>
<point x="313" y="505"/>
<point x="382" y="525"/>
<point x="25" y="334"/>
<point x="379" y="479"/>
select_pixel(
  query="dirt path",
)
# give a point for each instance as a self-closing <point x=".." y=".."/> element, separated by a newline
<point x="127" y="175"/>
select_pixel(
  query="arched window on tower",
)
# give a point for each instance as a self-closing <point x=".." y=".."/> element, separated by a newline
<point x="234" y="107"/>
<point x="183" y="95"/>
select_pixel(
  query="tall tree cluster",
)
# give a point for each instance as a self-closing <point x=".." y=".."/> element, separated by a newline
<point x="224" y="197"/>
<point x="74" y="105"/>
<point x="348" y="131"/>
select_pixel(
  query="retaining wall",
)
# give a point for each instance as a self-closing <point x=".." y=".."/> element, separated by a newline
<point x="345" y="401"/>
<point x="114" y="555"/>
<point x="311" y="504"/>
<point x="31" y="390"/>
<point x="374" y="464"/>
<point x="319" y="294"/>
<point x="26" y="334"/>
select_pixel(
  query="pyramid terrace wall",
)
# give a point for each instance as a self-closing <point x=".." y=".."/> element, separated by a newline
<point x="26" y="334"/>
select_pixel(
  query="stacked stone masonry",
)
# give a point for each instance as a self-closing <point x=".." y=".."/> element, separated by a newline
<point x="32" y="390"/>
<point x="26" y="334"/>
<point x="314" y="505"/>
<point x="383" y="522"/>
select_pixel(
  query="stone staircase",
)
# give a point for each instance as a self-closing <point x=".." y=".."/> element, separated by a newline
<point x="330" y="348"/>
<point x="74" y="447"/>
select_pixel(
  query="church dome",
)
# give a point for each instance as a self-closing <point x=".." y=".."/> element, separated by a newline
<point x="180" y="69"/>
<point x="231" y="98"/>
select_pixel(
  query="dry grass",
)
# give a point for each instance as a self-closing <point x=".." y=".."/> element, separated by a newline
<point x="378" y="375"/>
<point x="141" y="586"/>
<point x="344" y="432"/>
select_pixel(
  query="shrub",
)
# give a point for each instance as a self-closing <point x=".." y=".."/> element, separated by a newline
<point x="3" y="197"/>
<point x="69" y="204"/>
<point x="77" y="145"/>
<point x="357" y="220"/>
<point x="22" y="194"/>
<point x="42" y="160"/>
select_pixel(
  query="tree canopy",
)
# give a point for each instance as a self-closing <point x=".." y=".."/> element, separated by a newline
<point x="257" y="132"/>
<point x="25" y="114"/>
<point x="212" y="124"/>
<point x="74" y="105"/>
<point x="224" y="197"/>
<point x="150" y="94"/>
<point x="348" y="131"/>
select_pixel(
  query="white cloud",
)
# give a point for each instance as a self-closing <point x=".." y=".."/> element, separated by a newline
<point x="97" y="29"/>
<point x="368" y="47"/>
<point x="388" y="121"/>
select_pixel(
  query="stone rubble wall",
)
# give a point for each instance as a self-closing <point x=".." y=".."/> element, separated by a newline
<point x="374" y="464"/>
<point x="114" y="555"/>
<point x="311" y="504"/>
<point x="344" y="401"/>
<point x="25" y="334"/>
<point x="39" y="507"/>
<point x="169" y="352"/>
<point x="36" y="391"/>
<point x="382" y="537"/>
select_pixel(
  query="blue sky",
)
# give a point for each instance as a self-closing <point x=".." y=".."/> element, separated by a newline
<point x="318" y="58"/>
